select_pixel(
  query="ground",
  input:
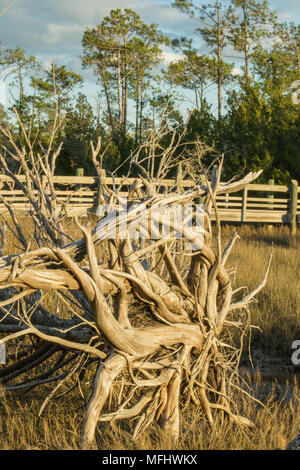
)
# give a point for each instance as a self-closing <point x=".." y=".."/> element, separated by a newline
<point x="272" y="377"/>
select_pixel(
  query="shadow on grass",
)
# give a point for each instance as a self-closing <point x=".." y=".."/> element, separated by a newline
<point x="276" y="234"/>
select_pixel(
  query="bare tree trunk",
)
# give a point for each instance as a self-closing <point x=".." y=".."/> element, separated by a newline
<point x="137" y="109"/>
<point x="246" y="41"/>
<point x="219" y="55"/>
<point x="298" y="59"/>
<point x="111" y="121"/>
<point x="124" y="128"/>
<point x="119" y="90"/>
<point x="141" y="107"/>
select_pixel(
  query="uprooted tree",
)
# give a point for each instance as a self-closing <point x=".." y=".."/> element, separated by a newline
<point x="149" y="299"/>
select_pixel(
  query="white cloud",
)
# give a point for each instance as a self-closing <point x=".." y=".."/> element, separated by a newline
<point x="65" y="34"/>
<point x="86" y="11"/>
<point x="59" y="59"/>
<point x="236" y="71"/>
<point x="288" y="10"/>
<point x="3" y="93"/>
<point x="53" y="28"/>
<point x="169" y="57"/>
<point x="64" y="29"/>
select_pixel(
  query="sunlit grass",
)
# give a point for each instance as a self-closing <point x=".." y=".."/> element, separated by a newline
<point x="273" y="378"/>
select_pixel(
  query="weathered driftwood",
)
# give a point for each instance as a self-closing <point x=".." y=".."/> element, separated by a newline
<point x="174" y="349"/>
<point x="188" y="315"/>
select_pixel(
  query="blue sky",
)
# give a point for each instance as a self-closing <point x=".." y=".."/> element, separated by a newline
<point x="53" y="28"/>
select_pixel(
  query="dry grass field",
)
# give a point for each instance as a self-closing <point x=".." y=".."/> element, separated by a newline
<point x="268" y="371"/>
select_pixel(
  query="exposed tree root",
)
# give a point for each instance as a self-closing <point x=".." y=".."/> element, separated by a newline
<point x="158" y="329"/>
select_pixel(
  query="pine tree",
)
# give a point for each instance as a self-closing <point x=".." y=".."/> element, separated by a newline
<point x="250" y="22"/>
<point x="121" y="49"/>
<point x="194" y="72"/>
<point x="213" y="20"/>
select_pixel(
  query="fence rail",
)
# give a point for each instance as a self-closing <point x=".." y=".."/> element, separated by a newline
<point x="257" y="203"/>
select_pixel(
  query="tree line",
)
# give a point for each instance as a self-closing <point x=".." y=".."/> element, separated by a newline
<point x="254" y="121"/>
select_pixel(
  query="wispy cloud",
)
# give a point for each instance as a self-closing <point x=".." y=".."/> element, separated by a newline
<point x="56" y="26"/>
<point x="236" y="71"/>
<point x="169" y="57"/>
<point x="3" y="93"/>
<point x="53" y="28"/>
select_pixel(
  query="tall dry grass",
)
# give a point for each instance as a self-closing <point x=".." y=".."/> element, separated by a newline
<point x="271" y="376"/>
<point x="277" y="309"/>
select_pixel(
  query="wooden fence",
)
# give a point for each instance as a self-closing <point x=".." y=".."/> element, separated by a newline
<point x="257" y="203"/>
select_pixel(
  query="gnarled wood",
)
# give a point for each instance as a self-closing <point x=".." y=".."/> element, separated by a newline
<point x="130" y="305"/>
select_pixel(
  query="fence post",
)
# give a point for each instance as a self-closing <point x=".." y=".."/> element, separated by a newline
<point x="99" y="195"/>
<point x="270" y="194"/>
<point x="79" y="171"/>
<point x="178" y="181"/>
<point x="293" y="207"/>
<point x="244" y="205"/>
